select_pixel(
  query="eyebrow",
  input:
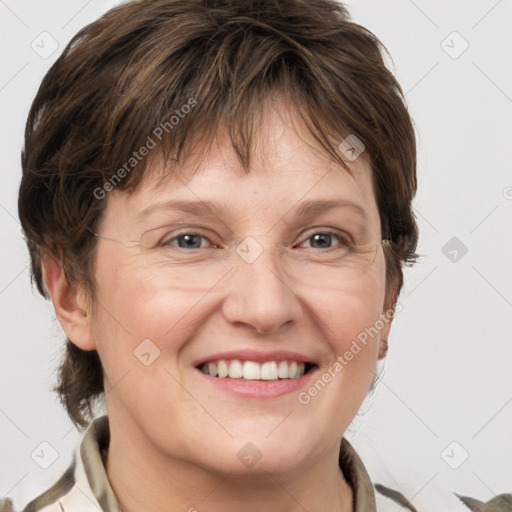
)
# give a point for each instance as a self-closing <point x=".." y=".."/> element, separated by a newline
<point x="197" y="208"/>
<point x="206" y="209"/>
<point x="308" y="209"/>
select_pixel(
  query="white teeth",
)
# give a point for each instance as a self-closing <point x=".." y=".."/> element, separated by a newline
<point x="222" y="369"/>
<point x="292" y="370"/>
<point x="251" y="370"/>
<point x="269" y="371"/>
<point x="282" y="371"/>
<point x="235" y="369"/>
<point x="212" y="368"/>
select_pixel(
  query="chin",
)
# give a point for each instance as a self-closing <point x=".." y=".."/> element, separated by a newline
<point x="254" y="454"/>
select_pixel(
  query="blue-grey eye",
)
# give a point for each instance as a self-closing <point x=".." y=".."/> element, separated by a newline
<point x="189" y="241"/>
<point x="323" y="240"/>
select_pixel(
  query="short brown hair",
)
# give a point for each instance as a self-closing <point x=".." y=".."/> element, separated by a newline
<point x="129" y="72"/>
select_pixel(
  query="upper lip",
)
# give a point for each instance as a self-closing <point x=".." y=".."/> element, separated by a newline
<point x="257" y="356"/>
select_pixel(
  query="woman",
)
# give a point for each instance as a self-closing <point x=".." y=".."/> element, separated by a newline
<point x="271" y="135"/>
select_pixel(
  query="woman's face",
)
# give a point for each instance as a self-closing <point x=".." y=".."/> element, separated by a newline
<point x="258" y="278"/>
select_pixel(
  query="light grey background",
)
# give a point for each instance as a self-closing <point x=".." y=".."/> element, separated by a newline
<point x="447" y="376"/>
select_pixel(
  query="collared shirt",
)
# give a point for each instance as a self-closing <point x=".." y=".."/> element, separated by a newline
<point x="84" y="486"/>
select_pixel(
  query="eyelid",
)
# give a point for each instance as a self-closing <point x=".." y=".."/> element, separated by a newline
<point x="173" y="236"/>
<point x="180" y="227"/>
<point x="176" y="230"/>
<point x="313" y="230"/>
<point x="342" y="238"/>
<point x="161" y="235"/>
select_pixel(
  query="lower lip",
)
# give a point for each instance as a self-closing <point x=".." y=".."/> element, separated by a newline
<point x="258" y="388"/>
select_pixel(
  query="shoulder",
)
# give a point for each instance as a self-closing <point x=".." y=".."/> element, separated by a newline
<point x="73" y="490"/>
<point x="48" y="500"/>
<point x="377" y="489"/>
<point x="387" y="496"/>
<point x="70" y="493"/>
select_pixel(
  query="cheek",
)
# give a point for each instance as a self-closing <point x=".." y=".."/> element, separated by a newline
<point x="349" y="318"/>
<point x="348" y="310"/>
<point x="134" y="307"/>
<point x="351" y="326"/>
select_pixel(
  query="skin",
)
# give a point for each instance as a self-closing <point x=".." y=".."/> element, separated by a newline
<point x="174" y="438"/>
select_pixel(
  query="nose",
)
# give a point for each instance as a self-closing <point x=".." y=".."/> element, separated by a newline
<point x="260" y="294"/>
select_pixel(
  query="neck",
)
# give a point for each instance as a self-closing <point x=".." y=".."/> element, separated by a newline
<point x="144" y="479"/>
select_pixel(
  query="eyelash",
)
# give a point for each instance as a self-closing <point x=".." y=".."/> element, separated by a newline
<point x="343" y="241"/>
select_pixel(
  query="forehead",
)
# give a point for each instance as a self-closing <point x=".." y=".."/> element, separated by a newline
<point x="289" y="172"/>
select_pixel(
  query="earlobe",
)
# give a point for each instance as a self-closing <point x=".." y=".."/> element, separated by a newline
<point x="387" y="316"/>
<point x="383" y="348"/>
<point x="69" y="304"/>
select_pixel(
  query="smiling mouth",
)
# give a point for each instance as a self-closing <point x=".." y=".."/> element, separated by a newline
<point x="252" y="370"/>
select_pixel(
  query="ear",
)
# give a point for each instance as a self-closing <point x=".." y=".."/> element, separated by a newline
<point x="387" y="316"/>
<point x="69" y="304"/>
